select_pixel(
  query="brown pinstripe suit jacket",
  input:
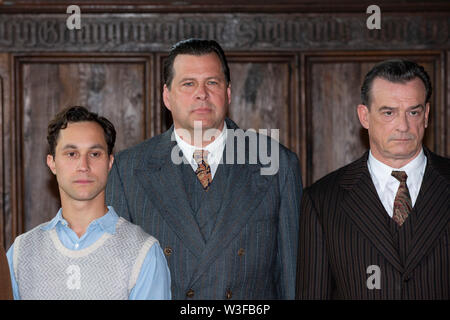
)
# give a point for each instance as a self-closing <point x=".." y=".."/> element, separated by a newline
<point x="344" y="229"/>
<point x="5" y="281"/>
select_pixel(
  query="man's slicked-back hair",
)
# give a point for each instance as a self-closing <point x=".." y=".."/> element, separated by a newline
<point x="78" y="114"/>
<point x="397" y="71"/>
<point x="196" y="47"/>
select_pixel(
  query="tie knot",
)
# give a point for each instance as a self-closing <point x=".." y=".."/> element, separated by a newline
<point x="200" y="155"/>
<point x="400" y="175"/>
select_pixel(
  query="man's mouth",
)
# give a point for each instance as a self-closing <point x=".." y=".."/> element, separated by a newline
<point x="202" y="110"/>
<point x="83" y="181"/>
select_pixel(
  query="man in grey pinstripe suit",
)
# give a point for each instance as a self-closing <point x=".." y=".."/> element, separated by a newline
<point x="228" y="223"/>
<point x="379" y="228"/>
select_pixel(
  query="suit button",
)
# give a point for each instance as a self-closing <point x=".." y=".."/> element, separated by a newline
<point x="241" y="252"/>
<point x="168" y="251"/>
<point x="190" y="293"/>
<point x="228" y="294"/>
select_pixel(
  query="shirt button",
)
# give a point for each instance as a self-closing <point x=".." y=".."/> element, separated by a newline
<point x="168" y="251"/>
<point x="229" y="294"/>
<point x="76" y="245"/>
<point x="190" y="293"/>
<point x="241" y="252"/>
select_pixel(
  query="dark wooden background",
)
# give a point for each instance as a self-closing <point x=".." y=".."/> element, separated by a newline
<point x="296" y="66"/>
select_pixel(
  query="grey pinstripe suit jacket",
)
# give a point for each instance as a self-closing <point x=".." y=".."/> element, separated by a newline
<point x="344" y="229"/>
<point x="252" y="251"/>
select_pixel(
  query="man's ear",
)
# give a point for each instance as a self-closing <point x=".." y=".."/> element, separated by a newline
<point x="166" y="99"/>
<point x="229" y="93"/>
<point x="111" y="161"/>
<point x="51" y="163"/>
<point x="363" y="115"/>
<point x="427" y="112"/>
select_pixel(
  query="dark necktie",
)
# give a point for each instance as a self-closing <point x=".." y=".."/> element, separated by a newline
<point x="203" y="171"/>
<point x="402" y="201"/>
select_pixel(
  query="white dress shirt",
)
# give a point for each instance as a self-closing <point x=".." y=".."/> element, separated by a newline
<point x="387" y="185"/>
<point x="215" y="150"/>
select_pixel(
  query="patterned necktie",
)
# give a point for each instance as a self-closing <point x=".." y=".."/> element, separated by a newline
<point x="402" y="201"/>
<point x="203" y="171"/>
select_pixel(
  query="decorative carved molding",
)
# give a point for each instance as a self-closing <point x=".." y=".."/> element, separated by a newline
<point x="155" y="32"/>
<point x="223" y="6"/>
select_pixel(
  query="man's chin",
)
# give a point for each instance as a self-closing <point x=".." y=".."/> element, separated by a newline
<point x="404" y="153"/>
<point x="207" y="124"/>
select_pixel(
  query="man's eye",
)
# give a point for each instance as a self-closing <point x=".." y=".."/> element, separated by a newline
<point x="388" y="113"/>
<point x="71" y="154"/>
<point x="95" y="154"/>
<point x="212" y="82"/>
<point x="188" y="84"/>
<point x="414" y="113"/>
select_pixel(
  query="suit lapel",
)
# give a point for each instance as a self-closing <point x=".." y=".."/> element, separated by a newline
<point x="162" y="179"/>
<point x="364" y="208"/>
<point x="433" y="213"/>
<point x="245" y="189"/>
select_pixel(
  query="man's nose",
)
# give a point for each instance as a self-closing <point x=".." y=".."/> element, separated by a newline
<point x="83" y="163"/>
<point x="201" y="92"/>
<point x="403" y="123"/>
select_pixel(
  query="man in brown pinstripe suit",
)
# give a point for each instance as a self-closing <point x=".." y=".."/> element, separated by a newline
<point x="5" y="281"/>
<point x="379" y="227"/>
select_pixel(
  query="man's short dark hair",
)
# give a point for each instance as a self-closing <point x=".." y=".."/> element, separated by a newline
<point x="397" y="71"/>
<point x="196" y="47"/>
<point x="78" y="114"/>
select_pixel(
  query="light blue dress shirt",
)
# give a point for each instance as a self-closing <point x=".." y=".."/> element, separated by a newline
<point x="153" y="282"/>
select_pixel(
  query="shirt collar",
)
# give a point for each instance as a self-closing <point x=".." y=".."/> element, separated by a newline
<point x="107" y="222"/>
<point x="215" y="148"/>
<point x="413" y="169"/>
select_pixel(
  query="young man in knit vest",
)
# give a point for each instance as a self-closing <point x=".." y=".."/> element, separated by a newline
<point x="86" y="251"/>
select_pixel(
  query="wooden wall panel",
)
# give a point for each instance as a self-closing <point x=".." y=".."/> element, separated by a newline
<point x="295" y="66"/>
<point x="114" y="89"/>
<point x="335" y="135"/>
<point x="8" y="222"/>
<point x="3" y="74"/>
<point x="263" y="95"/>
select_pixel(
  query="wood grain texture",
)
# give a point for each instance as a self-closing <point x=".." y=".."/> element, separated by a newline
<point x="7" y="217"/>
<point x="2" y="191"/>
<point x="337" y="135"/>
<point x="260" y="97"/>
<point x="114" y="90"/>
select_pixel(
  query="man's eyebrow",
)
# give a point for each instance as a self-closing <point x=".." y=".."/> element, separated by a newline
<point x="70" y="146"/>
<point x="386" y="108"/>
<point x="95" y="146"/>
<point x="218" y="77"/>
<point x="394" y="108"/>
<point x="416" y="107"/>
<point x="187" y="79"/>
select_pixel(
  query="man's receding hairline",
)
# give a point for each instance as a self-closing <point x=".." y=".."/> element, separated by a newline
<point x="400" y="81"/>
